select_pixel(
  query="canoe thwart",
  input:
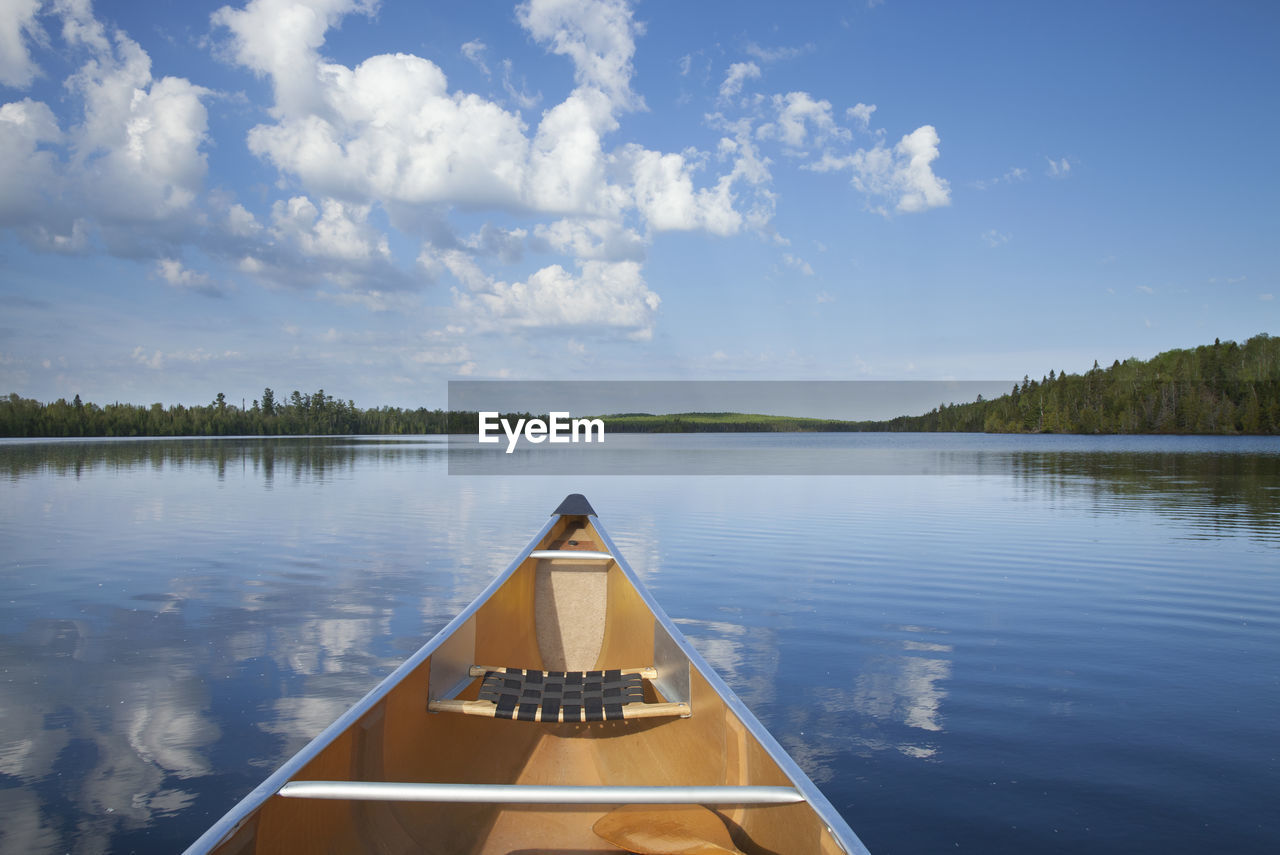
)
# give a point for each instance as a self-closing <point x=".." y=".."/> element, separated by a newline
<point x="572" y="554"/>
<point x="559" y="696"/>
<point x="647" y="672"/>
<point x="384" y="791"/>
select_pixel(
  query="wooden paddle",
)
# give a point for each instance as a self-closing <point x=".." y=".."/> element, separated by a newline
<point x="674" y="830"/>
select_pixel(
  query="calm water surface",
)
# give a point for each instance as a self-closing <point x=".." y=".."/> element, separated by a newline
<point x="1047" y="645"/>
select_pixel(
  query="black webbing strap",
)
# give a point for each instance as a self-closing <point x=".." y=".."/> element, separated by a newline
<point x="561" y="695"/>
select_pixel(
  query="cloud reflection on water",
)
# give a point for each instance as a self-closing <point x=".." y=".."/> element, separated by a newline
<point x="905" y="688"/>
<point x="166" y="641"/>
<point x="109" y="724"/>
<point x="120" y="753"/>
<point x="892" y="702"/>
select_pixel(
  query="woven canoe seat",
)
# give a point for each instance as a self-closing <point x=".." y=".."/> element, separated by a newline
<point x="559" y="696"/>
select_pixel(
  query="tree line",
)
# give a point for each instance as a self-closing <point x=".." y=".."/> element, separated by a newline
<point x="299" y="414"/>
<point x="1223" y="388"/>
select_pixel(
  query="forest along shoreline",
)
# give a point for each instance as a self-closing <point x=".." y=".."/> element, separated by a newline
<point x="1222" y="389"/>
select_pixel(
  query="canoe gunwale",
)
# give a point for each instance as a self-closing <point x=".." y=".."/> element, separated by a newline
<point x="231" y="822"/>
<point x="835" y="823"/>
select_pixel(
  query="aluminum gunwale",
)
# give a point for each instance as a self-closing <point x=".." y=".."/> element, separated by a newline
<point x="825" y="810"/>
<point x="243" y="809"/>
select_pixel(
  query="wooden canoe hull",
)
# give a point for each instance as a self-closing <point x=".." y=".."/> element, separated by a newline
<point x="390" y="736"/>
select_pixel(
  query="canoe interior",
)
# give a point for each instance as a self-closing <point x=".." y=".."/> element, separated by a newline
<point x="399" y="740"/>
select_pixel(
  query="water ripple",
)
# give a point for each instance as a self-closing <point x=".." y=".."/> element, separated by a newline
<point x="1072" y="647"/>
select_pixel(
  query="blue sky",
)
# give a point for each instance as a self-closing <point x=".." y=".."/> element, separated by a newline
<point x="378" y="197"/>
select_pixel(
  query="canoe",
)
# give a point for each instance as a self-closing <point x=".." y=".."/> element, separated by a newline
<point x="562" y="711"/>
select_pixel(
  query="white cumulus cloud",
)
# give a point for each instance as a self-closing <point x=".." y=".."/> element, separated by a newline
<point x="476" y="180"/>
<point x="31" y="171"/>
<point x="336" y="230"/>
<point x="142" y="146"/>
<point x="390" y="131"/>
<point x="171" y="270"/>
<point x="566" y="171"/>
<point x="241" y="222"/>
<point x="913" y="178"/>
<point x="598" y="35"/>
<point x="665" y="195"/>
<point x="737" y="75"/>
<point x="861" y="113"/>
<point x="17" y="25"/>
<point x="603" y="294"/>
<point x="800" y="120"/>
<point x="280" y="39"/>
<point x="130" y="163"/>
<point x="587" y="238"/>
<point x="902" y="175"/>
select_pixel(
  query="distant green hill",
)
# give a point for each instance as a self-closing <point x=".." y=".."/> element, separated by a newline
<point x="720" y="423"/>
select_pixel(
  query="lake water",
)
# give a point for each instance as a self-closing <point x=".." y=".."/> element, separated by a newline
<point x="1031" y="644"/>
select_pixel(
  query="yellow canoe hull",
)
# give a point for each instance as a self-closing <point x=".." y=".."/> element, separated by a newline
<point x="550" y="783"/>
